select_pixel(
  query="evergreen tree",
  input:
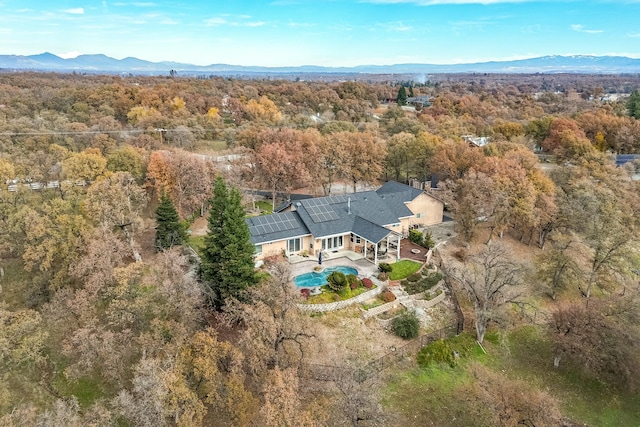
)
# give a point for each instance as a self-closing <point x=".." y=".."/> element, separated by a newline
<point x="169" y="230"/>
<point x="633" y="104"/>
<point x="227" y="267"/>
<point x="402" y="96"/>
<point x="411" y="95"/>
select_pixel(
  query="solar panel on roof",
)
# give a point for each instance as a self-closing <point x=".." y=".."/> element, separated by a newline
<point x="322" y="213"/>
<point x="273" y="223"/>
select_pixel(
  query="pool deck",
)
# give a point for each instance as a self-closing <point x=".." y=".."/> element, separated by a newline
<point x="364" y="267"/>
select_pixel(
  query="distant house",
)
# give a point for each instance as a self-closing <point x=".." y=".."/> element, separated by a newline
<point x="621" y="159"/>
<point x="419" y="101"/>
<point x="476" y="141"/>
<point x="366" y="222"/>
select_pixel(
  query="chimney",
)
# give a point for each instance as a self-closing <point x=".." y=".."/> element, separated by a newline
<point x="349" y="205"/>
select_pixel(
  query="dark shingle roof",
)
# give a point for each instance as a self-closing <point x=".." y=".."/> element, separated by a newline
<point x="326" y="216"/>
<point x="370" y="231"/>
<point x="365" y="213"/>
<point x="621" y="159"/>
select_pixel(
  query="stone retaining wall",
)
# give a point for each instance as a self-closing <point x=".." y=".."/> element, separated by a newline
<point x="424" y="304"/>
<point x="380" y="309"/>
<point x="332" y="306"/>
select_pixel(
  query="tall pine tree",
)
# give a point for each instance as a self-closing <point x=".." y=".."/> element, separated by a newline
<point x="169" y="230"/>
<point x="227" y="267"/>
<point x="633" y="104"/>
<point x="402" y="96"/>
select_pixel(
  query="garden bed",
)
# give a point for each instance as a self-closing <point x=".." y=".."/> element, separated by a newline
<point x="327" y="295"/>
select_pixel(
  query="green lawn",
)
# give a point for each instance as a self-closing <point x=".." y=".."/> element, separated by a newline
<point x="197" y="243"/>
<point x="264" y="206"/>
<point x="403" y="269"/>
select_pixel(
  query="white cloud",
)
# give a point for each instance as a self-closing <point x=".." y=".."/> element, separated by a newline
<point x="69" y="55"/>
<point x="75" y="11"/>
<point x="302" y="24"/>
<point x="581" y="29"/>
<point x="214" y="22"/>
<point x="240" y="22"/>
<point x="394" y="26"/>
<point x="633" y="35"/>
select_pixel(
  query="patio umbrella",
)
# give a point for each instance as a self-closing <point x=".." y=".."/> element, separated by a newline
<point x="320" y="258"/>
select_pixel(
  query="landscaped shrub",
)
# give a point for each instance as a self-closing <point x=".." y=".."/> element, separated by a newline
<point x="425" y="284"/>
<point x="433" y="278"/>
<point x="406" y="325"/>
<point x="385" y="267"/>
<point x="337" y="281"/>
<point x="414" y="277"/>
<point x="367" y="283"/>
<point x="345" y="293"/>
<point x="427" y="241"/>
<point x="305" y="293"/>
<point x="416" y="237"/>
<point x="383" y="276"/>
<point x="404" y="282"/>
<point x="353" y="281"/>
<point x="388" y="296"/>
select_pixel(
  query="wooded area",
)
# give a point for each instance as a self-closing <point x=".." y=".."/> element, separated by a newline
<point x="107" y="319"/>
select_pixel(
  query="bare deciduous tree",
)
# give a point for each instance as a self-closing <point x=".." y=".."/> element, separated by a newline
<point x="491" y="280"/>
<point x="277" y="333"/>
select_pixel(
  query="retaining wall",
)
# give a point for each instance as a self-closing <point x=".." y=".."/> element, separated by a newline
<point x="380" y="309"/>
<point x="332" y="306"/>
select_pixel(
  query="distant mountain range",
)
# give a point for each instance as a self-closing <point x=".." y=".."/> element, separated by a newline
<point x="104" y="64"/>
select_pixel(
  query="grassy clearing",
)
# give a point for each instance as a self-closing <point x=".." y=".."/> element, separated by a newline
<point x="403" y="269"/>
<point x="197" y="243"/>
<point x="438" y="395"/>
<point x="584" y="399"/>
<point x="264" y="206"/>
<point x="14" y="284"/>
<point x="86" y="390"/>
<point x="207" y="146"/>
<point x="435" y="396"/>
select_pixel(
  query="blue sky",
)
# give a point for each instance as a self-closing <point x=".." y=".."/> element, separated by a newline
<point x="321" y="32"/>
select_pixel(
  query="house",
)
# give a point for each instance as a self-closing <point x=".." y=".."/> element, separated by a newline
<point x="367" y="222"/>
<point x="476" y="141"/>
<point x="419" y="101"/>
<point x="622" y="159"/>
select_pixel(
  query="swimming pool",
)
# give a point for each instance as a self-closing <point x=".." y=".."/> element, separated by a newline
<point x="313" y="279"/>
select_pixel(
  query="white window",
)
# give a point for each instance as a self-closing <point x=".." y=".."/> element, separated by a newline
<point x="332" y="243"/>
<point x="419" y="215"/>
<point x="294" y="245"/>
<point x="257" y="250"/>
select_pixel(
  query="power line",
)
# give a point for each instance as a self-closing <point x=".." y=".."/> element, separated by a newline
<point x="53" y="133"/>
<point x="96" y="132"/>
